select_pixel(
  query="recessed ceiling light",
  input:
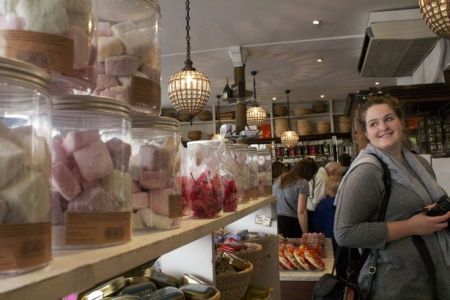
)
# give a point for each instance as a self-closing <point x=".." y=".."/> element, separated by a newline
<point x="316" y="22"/>
<point x="322" y="96"/>
<point x="274" y="98"/>
<point x="377" y="83"/>
<point x="319" y="60"/>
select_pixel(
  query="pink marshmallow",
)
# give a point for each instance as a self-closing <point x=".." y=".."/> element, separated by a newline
<point x="153" y="180"/>
<point x="94" y="161"/>
<point x="104" y="29"/>
<point x="117" y="92"/>
<point x="57" y="215"/>
<point x="75" y="140"/>
<point x="11" y="22"/>
<point x="93" y="200"/>
<point x="139" y="200"/>
<point x="81" y="49"/>
<point x="135" y="188"/>
<point x="105" y="81"/>
<point x="85" y="185"/>
<point x="152" y="157"/>
<point x="100" y="67"/>
<point x="64" y="181"/>
<point x="122" y="65"/>
<point x="58" y="152"/>
<point x="162" y="204"/>
<point x="120" y="153"/>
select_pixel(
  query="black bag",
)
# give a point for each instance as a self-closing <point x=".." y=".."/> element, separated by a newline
<point x="333" y="287"/>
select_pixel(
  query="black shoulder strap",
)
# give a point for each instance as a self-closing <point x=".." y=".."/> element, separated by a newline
<point x="426" y="258"/>
<point x="387" y="188"/>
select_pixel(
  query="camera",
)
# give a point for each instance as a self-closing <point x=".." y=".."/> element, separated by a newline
<point x="441" y="208"/>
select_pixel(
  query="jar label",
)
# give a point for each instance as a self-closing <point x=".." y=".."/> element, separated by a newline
<point x="145" y="93"/>
<point x="175" y="206"/>
<point x="25" y="245"/>
<point x="48" y="51"/>
<point x="98" y="228"/>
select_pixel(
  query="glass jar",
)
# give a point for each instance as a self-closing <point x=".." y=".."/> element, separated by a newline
<point x="128" y="60"/>
<point x="90" y="172"/>
<point x="240" y="152"/>
<point x="25" y="163"/>
<point x="155" y="162"/>
<point x="56" y="35"/>
<point x="252" y="162"/>
<point x="264" y="172"/>
<point x="204" y="184"/>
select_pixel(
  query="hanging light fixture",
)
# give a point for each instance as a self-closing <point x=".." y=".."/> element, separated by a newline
<point x="289" y="138"/>
<point x="436" y="14"/>
<point x="255" y="114"/>
<point x="189" y="89"/>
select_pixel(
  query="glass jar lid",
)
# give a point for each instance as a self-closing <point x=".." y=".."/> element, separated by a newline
<point x="144" y="121"/>
<point x="92" y="104"/>
<point x="22" y="73"/>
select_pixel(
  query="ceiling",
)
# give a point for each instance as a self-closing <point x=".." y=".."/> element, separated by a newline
<point x="281" y="42"/>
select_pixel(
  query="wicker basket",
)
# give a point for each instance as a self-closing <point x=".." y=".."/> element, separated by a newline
<point x="233" y="285"/>
<point x="262" y="240"/>
<point x="253" y="254"/>
<point x="205" y="115"/>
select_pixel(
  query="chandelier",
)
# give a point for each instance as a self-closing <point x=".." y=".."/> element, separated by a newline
<point x="289" y="138"/>
<point x="255" y="114"/>
<point x="189" y="89"/>
<point x="436" y="15"/>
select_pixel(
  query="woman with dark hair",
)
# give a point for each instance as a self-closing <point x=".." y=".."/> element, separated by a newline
<point x="291" y="190"/>
<point x="400" y="273"/>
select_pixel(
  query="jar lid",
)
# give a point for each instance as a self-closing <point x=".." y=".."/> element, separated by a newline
<point x="240" y="146"/>
<point x="252" y="149"/>
<point x="23" y="73"/>
<point x="204" y="142"/>
<point x="144" y="121"/>
<point x="106" y="289"/>
<point x="91" y="103"/>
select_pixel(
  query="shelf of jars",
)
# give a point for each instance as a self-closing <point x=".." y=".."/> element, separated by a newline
<point x="308" y="116"/>
<point x="77" y="270"/>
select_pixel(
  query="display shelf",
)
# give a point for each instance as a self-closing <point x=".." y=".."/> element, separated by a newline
<point x="78" y="270"/>
<point x="308" y="116"/>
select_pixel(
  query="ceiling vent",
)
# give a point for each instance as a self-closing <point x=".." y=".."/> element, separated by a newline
<point x="395" y="43"/>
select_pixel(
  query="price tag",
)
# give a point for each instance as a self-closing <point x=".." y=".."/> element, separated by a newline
<point x="263" y="220"/>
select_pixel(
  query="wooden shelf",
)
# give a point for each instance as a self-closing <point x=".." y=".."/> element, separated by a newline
<point x="78" y="270"/>
<point x="309" y="116"/>
<point x="313" y="137"/>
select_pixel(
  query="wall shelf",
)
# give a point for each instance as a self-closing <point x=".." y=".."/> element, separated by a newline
<point x="78" y="270"/>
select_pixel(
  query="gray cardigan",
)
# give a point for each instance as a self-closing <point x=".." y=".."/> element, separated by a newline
<point x="401" y="273"/>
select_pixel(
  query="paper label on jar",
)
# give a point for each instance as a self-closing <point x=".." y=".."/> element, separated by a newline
<point x="48" y="51"/>
<point x="175" y="206"/>
<point x="98" y="228"/>
<point x="145" y="92"/>
<point x="25" y="245"/>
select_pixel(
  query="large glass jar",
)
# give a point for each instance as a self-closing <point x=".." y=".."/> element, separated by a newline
<point x="56" y="35"/>
<point x="25" y="129"/>
<point x="242" y="176"/>
<point x="204" y="188"/>
<point x="155" y="162"/>
<point x="252" y="162"/>
<point x="128" y="60"/>
<point x="264" y="172"/>
<point x="90" y="172"/>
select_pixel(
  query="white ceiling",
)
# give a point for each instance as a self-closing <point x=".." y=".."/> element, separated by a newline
<point x="281" y="41"/>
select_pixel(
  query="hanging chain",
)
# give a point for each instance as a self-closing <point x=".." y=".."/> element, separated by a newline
<point x="255" y="103"/>
<point x="188" y="62"/>
<point x="289" y="109"/>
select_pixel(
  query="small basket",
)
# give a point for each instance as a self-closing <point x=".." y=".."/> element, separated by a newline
<point x="253" y="254"/>
<point x="262" y="240"/>
<point x="233" y="285"/>
<point x="205" y="115"/>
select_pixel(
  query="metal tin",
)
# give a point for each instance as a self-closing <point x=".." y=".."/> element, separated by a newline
<point x="194" y="291"/>
<point x="167" y="293"/>
<point x="188" y="278"/>
<point x="140" y="289"/>
<point x="131" y="280"/>
<point x="125" y="297"/>
<point x="160" y="279"/>
<point x="22" y="73"/>
<point x="105" y="290"/>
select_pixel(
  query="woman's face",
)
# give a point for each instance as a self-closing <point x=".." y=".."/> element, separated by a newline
<point x="383" y="128"/>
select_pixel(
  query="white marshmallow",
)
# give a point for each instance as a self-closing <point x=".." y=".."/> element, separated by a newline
<point x="118" y="183"/>
<point x="108" y="46"/>
<point x="11" y="160"/>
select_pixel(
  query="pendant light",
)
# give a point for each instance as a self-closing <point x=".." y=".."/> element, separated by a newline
<point x="255" y="114"/>
<point x="436" y="15"/>
<point x="189" y="89"/>
<point x="289" y="138"/>
<point x="218" y="136"/>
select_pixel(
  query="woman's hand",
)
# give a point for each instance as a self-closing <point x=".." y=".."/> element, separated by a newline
<point x="421" y="224"/>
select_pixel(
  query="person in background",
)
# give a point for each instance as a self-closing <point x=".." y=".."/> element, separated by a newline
<point x="345" y="160"/>
<point x="291" y="191"/>
<point x="324" y="214"/>
<point x="278" y="168"/>
<point x="317" y="187"/>
<point x="401" y="273"/>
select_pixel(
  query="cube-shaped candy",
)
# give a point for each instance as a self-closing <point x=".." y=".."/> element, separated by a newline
<point x="104" y="29"/>
<point x="164" y="202"/>
<point x="100" y="67"/>
<point x="94" y="161"/>
<point x="28" y="198"/>
<point x="139" y="200"/>
<point x="135" y="188"/>
<point x="153" y="179"/>
<point x="85" y="185"/>
<point x="106" y="81"/>
<point x="75" y="140"/>
<point x="93" y="200"/>
<point x="153" y="220"/>
<point x="117" y="92"/>
<point x="64" y="181"/>
<point x="136" y="221"/>
<point x="122" y="65"/>
<point x="119" y="184"/>
<point x="37" y="153"/>
<point x="153" y="158"/>
<point x="81" y="45"/>
<point x="11" y="161"/>
<point x="58" y="152"/>
<point x="120" y="153"/>
<point x="137" y="42"/>
<point x="56" y="212"/>
<point x="109" y="46"/>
